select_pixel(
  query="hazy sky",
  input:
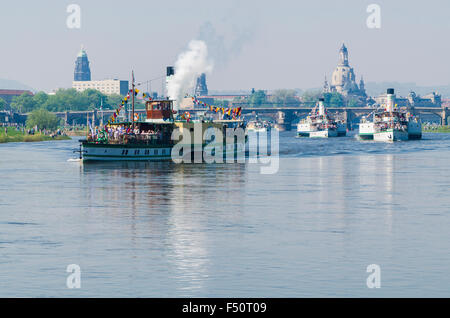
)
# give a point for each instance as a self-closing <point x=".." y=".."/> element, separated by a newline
<point x="261" y="44"/>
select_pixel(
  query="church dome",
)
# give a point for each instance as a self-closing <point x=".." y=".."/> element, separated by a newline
<point x="343" y="77"/>
<point x="340" y="75"/>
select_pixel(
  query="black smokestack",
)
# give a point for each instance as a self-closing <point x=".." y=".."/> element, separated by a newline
<point x="390" y="91"/>
<point x="170" y="71"/>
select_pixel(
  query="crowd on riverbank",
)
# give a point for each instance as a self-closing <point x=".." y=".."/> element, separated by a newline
<point x="22" y="134"/>
<point x="433" y="127"/>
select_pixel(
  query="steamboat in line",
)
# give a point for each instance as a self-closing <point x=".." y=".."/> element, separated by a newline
<point x="151" y="139"/>
<point x="319" y="124"/>
<point x="258" y="126"/>
<point x="389" y="123"/>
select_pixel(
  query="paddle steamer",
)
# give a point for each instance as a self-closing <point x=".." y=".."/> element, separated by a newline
<point x="258" y="126"/>
<point x="319" y="124"/>
<point x="389" y="123"/>
<point x="152" y="139"/>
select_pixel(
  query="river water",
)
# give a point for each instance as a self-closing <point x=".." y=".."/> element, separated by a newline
<point x="220" y="230"/>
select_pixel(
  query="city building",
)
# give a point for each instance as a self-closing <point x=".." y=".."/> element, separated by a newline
<point x="8" y="94"/>
<point x="201" y="89"/>
<point x="82" y="70"/>
<point x="107" y="87"/>
<point x="430" y="100"/>
<point x="82" y="79"/>
<point x="343" y="79"/>
<point x="414" y="100"/>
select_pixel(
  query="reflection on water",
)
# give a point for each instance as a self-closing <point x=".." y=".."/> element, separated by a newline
<point x="389" y="186"/>
<point x="378" y="177"/>
<point x="172" y="196"/>
<point x="162" y="229"/>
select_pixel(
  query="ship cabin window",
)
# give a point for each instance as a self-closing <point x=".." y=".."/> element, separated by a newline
<point x="160" y="106"/>
<point x="156" y="152"/>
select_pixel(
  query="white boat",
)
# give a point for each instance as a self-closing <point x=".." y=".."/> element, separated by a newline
<point x="390" y="123"/>
<point x="258" y="126"/>
<point x="323" y="133"/>
<point x="319" y="124"/>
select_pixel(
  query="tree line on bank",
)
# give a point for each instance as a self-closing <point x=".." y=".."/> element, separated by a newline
<point x="63" y="100"/>
<point x="43" y="119"/>
<point x="41" y="105"/>
<point x="90" y="99"/>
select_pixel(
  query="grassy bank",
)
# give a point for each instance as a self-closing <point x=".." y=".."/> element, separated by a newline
<point x="18" y="136"/>
<point x="437" y="129"/>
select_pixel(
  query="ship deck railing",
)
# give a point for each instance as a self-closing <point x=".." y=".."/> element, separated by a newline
<point x="141" y="139"/>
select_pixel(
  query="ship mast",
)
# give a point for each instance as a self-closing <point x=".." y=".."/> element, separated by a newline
<point x="132" y="100"/>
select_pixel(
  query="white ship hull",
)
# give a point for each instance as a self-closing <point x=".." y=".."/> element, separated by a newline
<point x="303" y="130"/>
<point x="368" y="131"/>
<point x="306" y="130"/>
<point x="257" y="130"/>
<point x="391" y="135"/>
<point x="323" y="133"/>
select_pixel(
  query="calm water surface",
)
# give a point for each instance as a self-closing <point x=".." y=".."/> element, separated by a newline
<point x="167" y="230"/>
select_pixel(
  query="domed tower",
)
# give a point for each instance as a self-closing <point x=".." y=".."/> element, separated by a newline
<point x="343" y="77"/>
<point x="82" y="70"/>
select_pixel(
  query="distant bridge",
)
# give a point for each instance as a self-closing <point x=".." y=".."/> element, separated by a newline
<point x="283" y="116"/>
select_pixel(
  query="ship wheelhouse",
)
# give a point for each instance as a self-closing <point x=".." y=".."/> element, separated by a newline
<point x="159" y="110"/>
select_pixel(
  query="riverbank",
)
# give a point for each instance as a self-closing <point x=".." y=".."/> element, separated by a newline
<point x="15" y="135"/>
<point x="437" y="129"/>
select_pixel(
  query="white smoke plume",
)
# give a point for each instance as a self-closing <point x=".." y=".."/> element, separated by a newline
<point x="189" y="65"/>
<point x="224" y="48"/>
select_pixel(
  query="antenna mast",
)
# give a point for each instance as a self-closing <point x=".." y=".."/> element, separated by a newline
<point x="132" y="100"/>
